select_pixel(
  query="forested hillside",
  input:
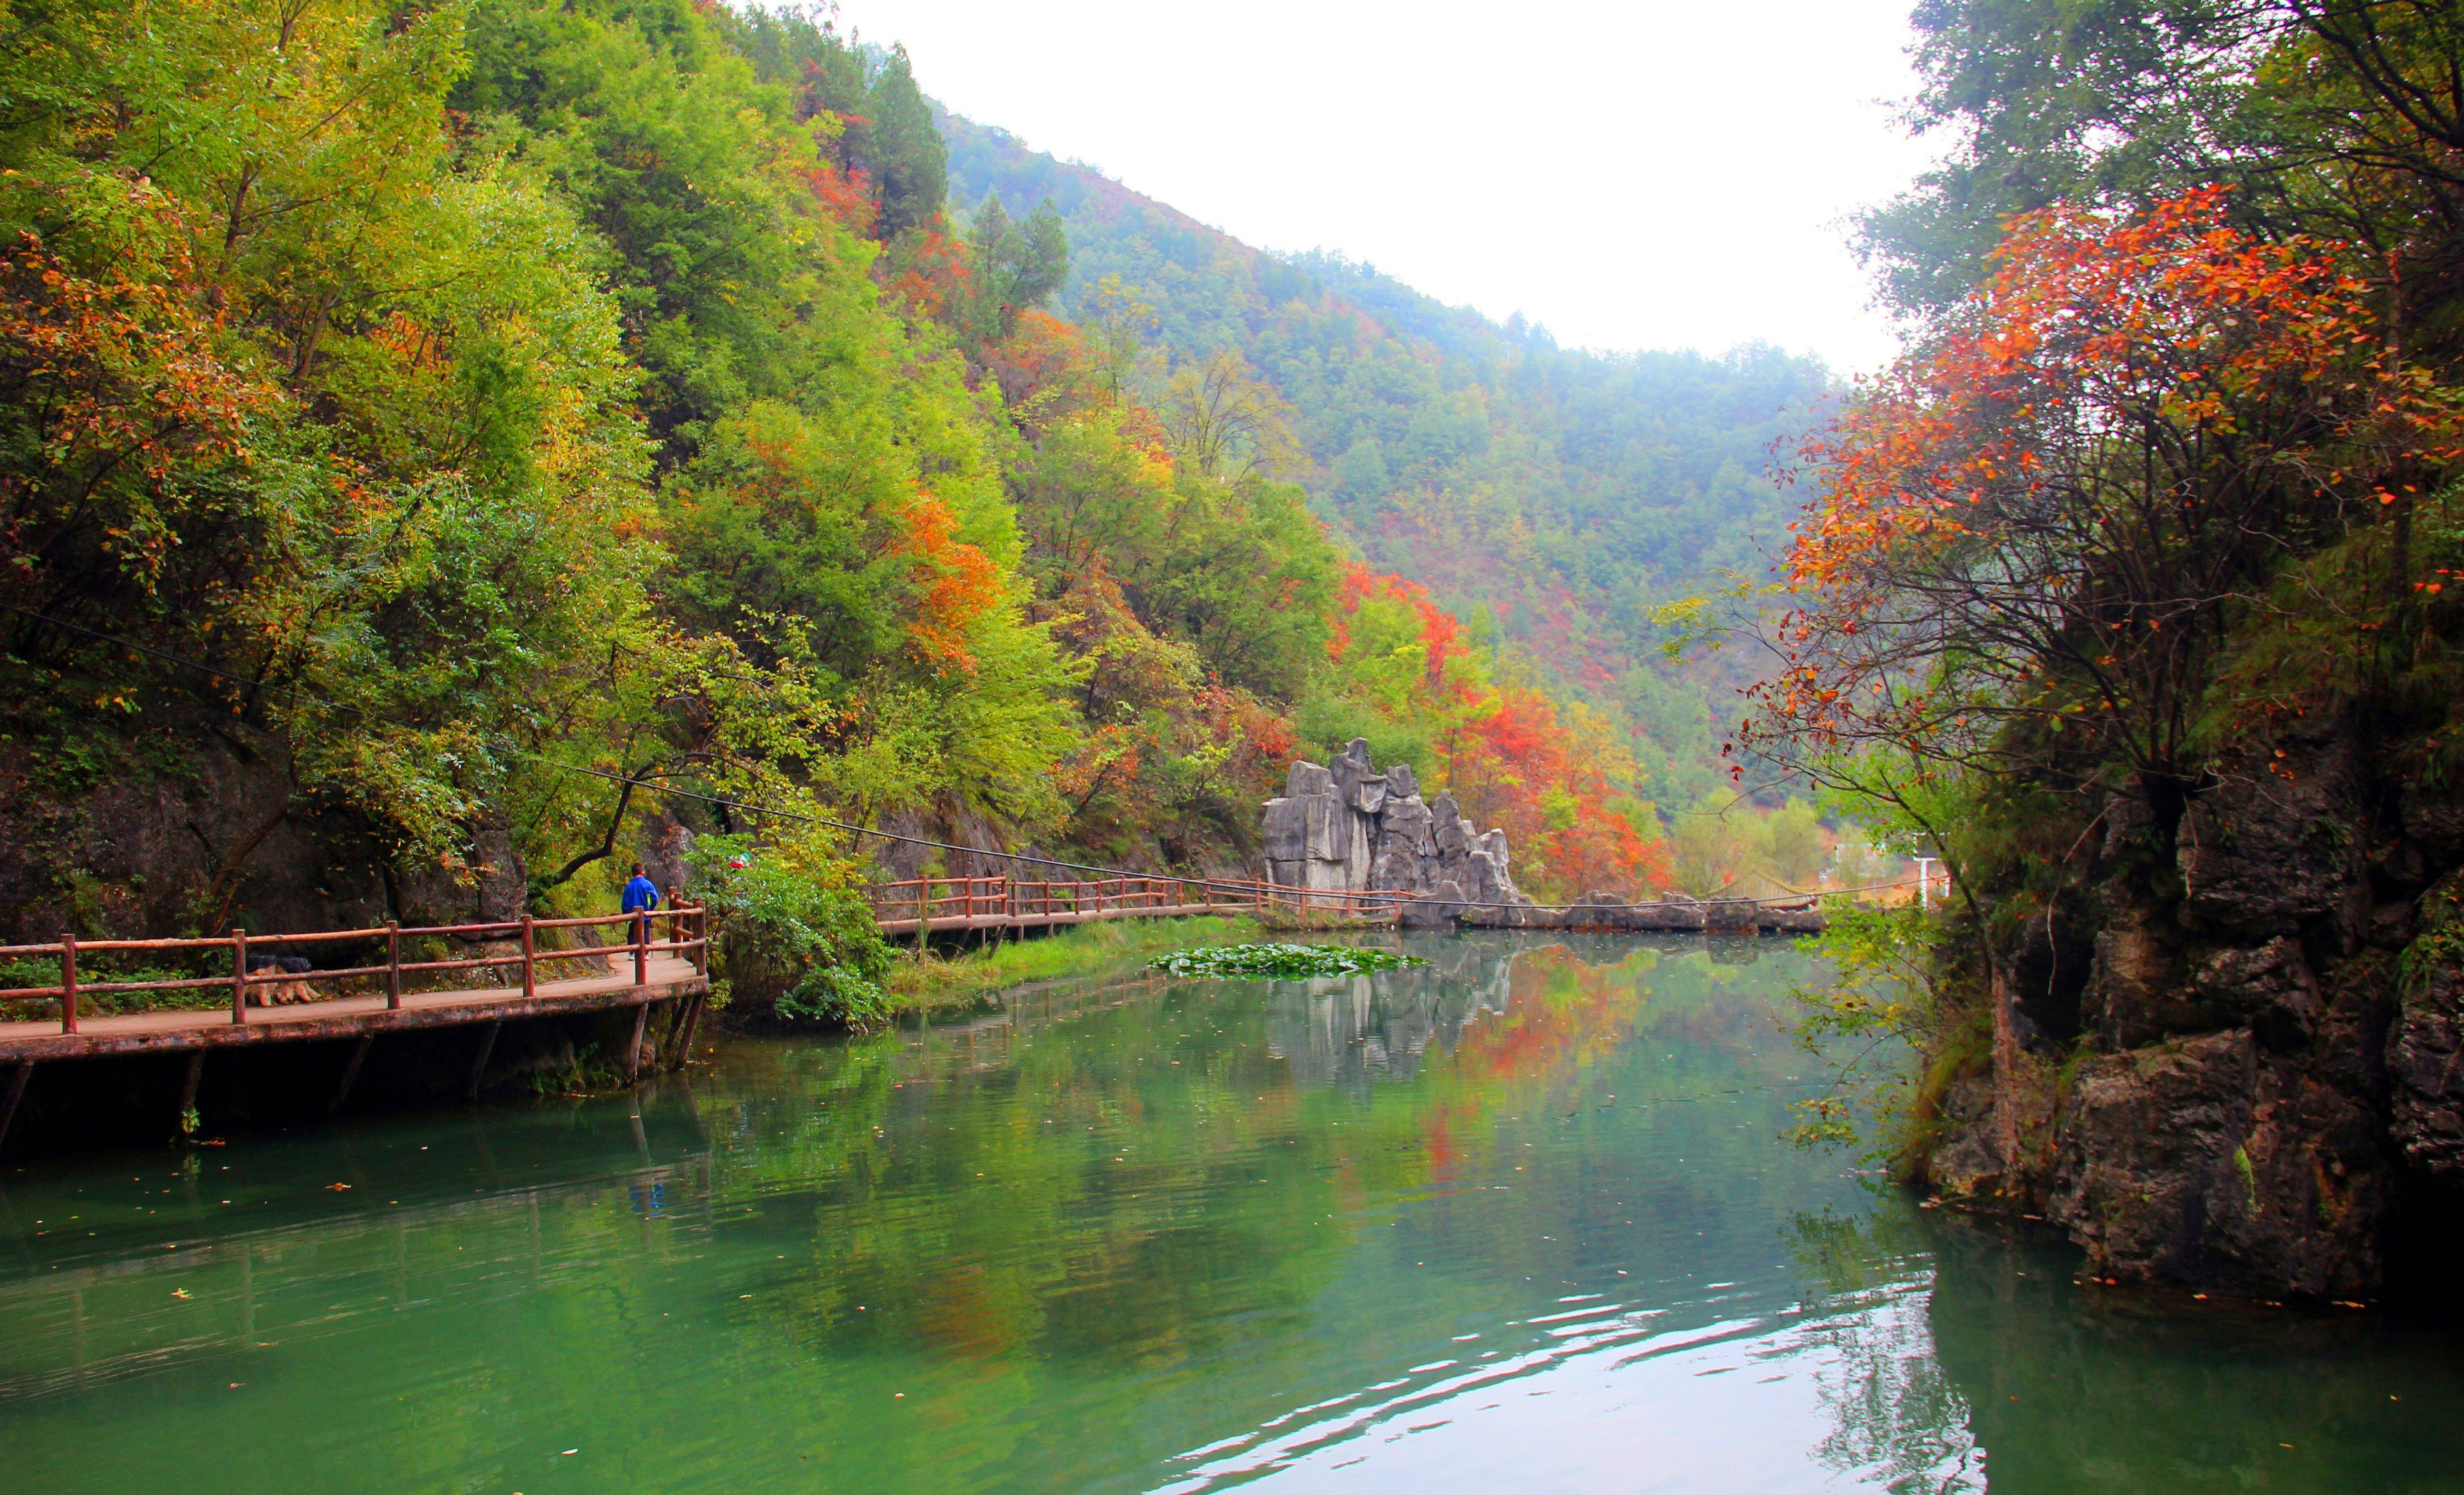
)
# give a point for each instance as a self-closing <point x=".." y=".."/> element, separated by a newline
<point x="449" y="451"/>
<point x="1553" y="498"/>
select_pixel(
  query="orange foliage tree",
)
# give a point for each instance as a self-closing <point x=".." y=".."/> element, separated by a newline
<point x="1558" y="783"/>
<point x="2030" y="540"/>
<point x="955" y="584"/>
<point x="125" y="419"/>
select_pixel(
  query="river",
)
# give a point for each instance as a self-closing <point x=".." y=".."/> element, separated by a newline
<point x="1520" y="1219"/>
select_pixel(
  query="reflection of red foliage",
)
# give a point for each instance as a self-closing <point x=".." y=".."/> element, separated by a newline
<point x="1561" y="1012"/>
<point x="955" y="1316"/>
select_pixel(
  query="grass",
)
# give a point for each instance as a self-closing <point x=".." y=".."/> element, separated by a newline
<point x="936" y="982"/>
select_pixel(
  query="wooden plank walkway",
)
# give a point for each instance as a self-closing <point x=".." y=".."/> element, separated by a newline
<point x="275" y="994"/>
<point x="670" y="977"/>
<point x="928" y="906"/>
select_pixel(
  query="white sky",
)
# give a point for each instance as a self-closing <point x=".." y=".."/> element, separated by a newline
<point x="1641" y="175"/>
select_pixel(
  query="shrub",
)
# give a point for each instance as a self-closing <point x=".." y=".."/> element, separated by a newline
<point x="793" y="940"/>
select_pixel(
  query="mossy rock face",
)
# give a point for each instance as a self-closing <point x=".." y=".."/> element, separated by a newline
<point x="2425" y="1051"/>
<point x="2262" y="854"/>
<point x="2215" y="1163"/>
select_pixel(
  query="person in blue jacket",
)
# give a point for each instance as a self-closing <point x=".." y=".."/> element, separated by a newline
<point x="641" y="896"/>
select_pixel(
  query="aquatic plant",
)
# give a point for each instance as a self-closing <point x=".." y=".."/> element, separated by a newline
<point x="1261" y="962"/>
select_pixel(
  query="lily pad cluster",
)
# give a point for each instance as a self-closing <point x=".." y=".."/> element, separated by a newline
<point x="1262" y="962"/>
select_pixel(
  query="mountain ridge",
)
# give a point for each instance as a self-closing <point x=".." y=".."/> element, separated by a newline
<point x="1555" y="498"/>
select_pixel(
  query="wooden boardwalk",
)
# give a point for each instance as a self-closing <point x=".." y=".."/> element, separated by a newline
<point x="927" y="906"/>
<point x="924" y="907"/>
<point x="668" y="977"/>
<point x="450" y="975"/>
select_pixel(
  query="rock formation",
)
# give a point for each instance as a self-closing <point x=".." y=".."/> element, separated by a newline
<point x="1346" y="828"/>
<point x="2239" y="1035"/>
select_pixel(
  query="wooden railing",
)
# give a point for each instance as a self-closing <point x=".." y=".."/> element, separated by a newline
<point x="687" y="935"/>
<point x="973" y="902"/>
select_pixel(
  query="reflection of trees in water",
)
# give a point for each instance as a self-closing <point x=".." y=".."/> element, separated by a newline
<point x="1360" y="1030"/>
<point x="2083" y="1389"/>
<point x="1355" y="1030"/>
<point x="1897" y="1420"/>
<point x="2080" y="1391"/>
<point x="79" y="1310"/>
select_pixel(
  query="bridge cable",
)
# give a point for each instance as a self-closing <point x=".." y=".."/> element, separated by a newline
<point x="1014" y="857"/>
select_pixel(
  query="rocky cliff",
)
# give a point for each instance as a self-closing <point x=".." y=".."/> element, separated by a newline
<point x="1346" y="827"/>
<point x="2232" y="1055"/>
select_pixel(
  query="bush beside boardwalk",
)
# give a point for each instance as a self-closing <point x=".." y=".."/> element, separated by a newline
<point x="928" y="981"/>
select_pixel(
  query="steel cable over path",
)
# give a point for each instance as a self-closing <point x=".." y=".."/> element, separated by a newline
<point x="1211" y="885"/>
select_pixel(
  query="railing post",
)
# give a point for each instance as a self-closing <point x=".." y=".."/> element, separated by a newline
<point x="239" y="975"/>
<point x="641" y="945"/>
<point x="529" y="973"/>
<point x="393" y="966"/>
<point x="67" y="984"/>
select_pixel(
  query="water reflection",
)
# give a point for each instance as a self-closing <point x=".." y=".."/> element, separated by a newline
<point x="1516" y="1219"/>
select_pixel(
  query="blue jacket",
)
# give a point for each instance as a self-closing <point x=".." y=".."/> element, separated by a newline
<point x="641" y="893"/>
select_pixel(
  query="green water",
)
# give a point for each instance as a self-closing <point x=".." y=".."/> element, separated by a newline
<point x="1519" y="1220"/>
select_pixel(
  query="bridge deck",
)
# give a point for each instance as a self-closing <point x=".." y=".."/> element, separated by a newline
<point x="667" y="976"/>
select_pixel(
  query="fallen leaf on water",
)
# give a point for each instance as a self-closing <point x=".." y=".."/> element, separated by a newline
<point x="337" y="1186"/>
<point x="179" y="1292"/>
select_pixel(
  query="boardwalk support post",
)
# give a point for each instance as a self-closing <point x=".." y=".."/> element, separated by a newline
<point x="393" y="978"/>
<point x="678" y="1007"/>
<point x="693" y="1025"/>
<point x="642" y="946"/>
<point x="23" y="1071"/>
<point x="67" y="984"/>
<point x="351" y="1072"/>
<point x="530" y="970"/>
<point x="239" y="976"/>
<point x="633" y="1050"/>
<point x="187" y="1115"/>
<point x="480" y="1062"/>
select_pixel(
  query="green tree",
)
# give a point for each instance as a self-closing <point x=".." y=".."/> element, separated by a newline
<point x="902" y="150"/>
